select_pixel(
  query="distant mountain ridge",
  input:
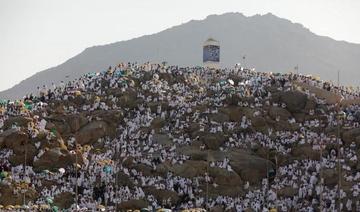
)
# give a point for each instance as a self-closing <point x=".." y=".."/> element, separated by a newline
<point x="270" y="43"/>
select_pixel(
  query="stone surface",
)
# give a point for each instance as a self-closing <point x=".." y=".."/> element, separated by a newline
<point x="295" y="101"/>
<point x="213" y="141"/>
<point x="64" y="200"/>
<point x="92" y="132"/>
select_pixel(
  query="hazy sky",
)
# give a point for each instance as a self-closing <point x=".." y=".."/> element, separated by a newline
<point x="39" y="34"/>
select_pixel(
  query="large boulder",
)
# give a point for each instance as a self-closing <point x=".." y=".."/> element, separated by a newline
<point x="305" y="152"/>
<point x="328" y="96"/>
<point x="310" y="104"/>
<point x="13" y="139"/>
<point x="331" y="177"/>
<point x="281" y="112"/>
<point x="162" y="139"/>
<point x="233" y="112"/>
<point x="64" y="200"/>
<point x="91" y="132"/>
<point x="203" y="155"/>
<point x="287" y="192"/>
<point x="295" y="100"/>
<point x="57" y="158"/>
<point x="128" y="99"/>
<point x="19" y="155"/>
<point x="75" y="122"/>
<point x="217" y="208"/>
<point x="19" y="121"/>
<point x="157" y="123"/>
<point x="18" y="141"/>
<point x="250" y="167"/>
<point x="221" y="190"/>
<point x="163" y="195"/>
<point x="352" y="135"/>
<point x="225" y="177"/>
<point x="133" y="204"/>
<point x="190" y="168"/>
<point x="219" y="117"/>
<point x="8" y="197"/>
<point x="259" y="123"/>
<point x="213" y="141"/>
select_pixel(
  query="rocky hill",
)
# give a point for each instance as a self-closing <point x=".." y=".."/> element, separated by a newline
<point x="151" y="136"/>
<point x="270" y="43"/>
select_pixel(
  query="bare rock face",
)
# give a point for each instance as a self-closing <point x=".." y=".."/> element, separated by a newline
<point x="287" y="192"/>
<point x="13" y="139"/>
<point x="250" y="167"/>
<point x="224" y="177"/>
<point x="19" y="142"/>
<point x="217" y="209"/>
<point x="56" y="158"/>
<point x="23" y="153"/>
<point x="92" y="132"/>
<point x="259" y="124"/>
<point x="278" y="111"/>
<point x="163" y="195"/>
<point x="64" y="200"/>
<point x="128" y="100"/>
<point x="223" y="190"/>
<point x="310" y="104"/>
<point x="234" y="113"/>
<point x="19" y="121"/>
<point x="7" y="196"/>
<point x="295" y="100"/>
<point x="75" y="122"/>
<point x="305" y="152"/>
<point x="162" y="139"/>
<point x="213" y="141"/>
<point x="133" y="204"/>
<point x="331" y="177"/>
<point x="190" y="168"/>
<point x="157" y="123"/>
<point x="219" y="117"/>
<point x="352" y="135"/>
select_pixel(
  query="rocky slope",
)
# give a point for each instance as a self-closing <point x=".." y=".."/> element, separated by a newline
<point x="166" y="130"/>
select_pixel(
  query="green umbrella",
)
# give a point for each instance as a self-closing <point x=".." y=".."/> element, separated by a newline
<point x="28" y="105"/>
<point x="107" y="169"/>
<point x="49" y="200"/>
<point x="3" y="174"/>
<point x="55" y="208"/>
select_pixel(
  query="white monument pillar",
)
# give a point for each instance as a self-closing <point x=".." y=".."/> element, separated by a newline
<point x="211" y="53"/>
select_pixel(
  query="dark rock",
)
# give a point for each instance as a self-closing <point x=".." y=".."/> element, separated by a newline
<point x="278" y="111"/>
<point x="250" y="167"/>
<point x="213" y="141"/>
<point x="295" y="100"/>
<point x="64" y="200"/>
<point x="19" y="121"/>
<point x="352" y="135"/>
<point x="133" y="204"/>
<point x="225" y="177"/>
<point x="190" y="168"/>
<point x="305" y="152"/>
<point x="92" y="132"/>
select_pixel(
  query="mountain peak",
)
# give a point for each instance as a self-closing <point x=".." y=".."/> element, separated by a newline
<point x="271" y="43"/>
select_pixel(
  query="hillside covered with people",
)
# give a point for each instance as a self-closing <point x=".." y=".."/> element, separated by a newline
<point x="153" y="136"/>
